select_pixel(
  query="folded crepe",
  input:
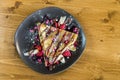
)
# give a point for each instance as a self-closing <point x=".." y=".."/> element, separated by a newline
<point x="55" y="41"/>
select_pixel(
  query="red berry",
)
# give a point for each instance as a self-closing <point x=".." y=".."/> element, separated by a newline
<point x="39" y="54"/>
<point x="35" y="27"/>
<point x="63" y="26"/>
<point x="47" y="21"/>
<point x="31" y="31"/>
<point x="67" y="53"/>
<point x="75" y="30"/>
<point x="50" y="63"/>
<point x="56" y="24"/>
<point x="57" y="62"/>
<point x="39" y="48"/>
<point x="66" y="41"/>
<point x="39" y="60"/>
<point x="75" y="44"/>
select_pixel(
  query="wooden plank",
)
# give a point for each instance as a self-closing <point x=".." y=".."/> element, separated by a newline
<point x="100" y="20"/>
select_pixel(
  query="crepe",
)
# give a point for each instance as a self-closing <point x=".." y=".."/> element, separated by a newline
<point x="55" y="41"/>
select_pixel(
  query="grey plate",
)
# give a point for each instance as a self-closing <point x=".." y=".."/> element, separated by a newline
<point x="23" y="42"/>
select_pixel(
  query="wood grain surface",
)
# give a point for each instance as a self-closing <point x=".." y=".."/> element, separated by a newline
<point x="100" y="20"/>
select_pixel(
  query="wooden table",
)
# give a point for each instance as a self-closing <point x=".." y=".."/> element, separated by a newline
<point x="100" y="20"/>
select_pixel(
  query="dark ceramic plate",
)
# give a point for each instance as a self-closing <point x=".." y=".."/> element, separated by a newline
<point x="23" y="42"/>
